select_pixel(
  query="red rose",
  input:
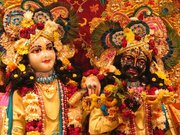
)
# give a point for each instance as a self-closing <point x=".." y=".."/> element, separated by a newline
<point x="122" y="106"/>
<point x="151" y="44"/>
<point x="124" y="43"/>
<point x="40" y="26"/>
<point x="137" y="37"/>
<point x="124" y="83"/>
<point x="91" y="71"/>
<point x="24" y="90"/>
<point x="170" y="88"/>
<point x="127" y="113"/>
<point x="100" y="77"/>
<point x="95" y="71"/>
<point x="23" y="33"/>
<point x="158" y="132"/>
<point x="70" y="68"/>
<point x="155" y="51"/>
<point x="33" y="29"/>
<point x="152" y="90"/>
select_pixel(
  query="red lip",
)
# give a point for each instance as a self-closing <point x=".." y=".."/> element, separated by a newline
<point x="132" y="71"/>
<point x="46" y="61"/>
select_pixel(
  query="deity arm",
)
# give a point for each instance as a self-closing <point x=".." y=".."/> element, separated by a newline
<point x="18" y="127"/>
<point x="99" y="124"/>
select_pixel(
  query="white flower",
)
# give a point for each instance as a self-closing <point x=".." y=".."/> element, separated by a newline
<point x="28" y="15"/>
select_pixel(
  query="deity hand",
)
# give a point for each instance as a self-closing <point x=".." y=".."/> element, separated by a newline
<point x="92" y="84"/>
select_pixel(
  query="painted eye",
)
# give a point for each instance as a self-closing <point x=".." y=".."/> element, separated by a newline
<point x="141" y="62"/>
<point x="38" y="50"/>
<point x="49" y="48"/>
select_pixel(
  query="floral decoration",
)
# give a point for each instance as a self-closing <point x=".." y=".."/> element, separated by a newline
<point x="33" y="113"/>
<point x="21" y="67"/>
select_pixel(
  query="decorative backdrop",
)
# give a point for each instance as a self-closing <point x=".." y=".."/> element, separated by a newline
<point x="87" y="10"/>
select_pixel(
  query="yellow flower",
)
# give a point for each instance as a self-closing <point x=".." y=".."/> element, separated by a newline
<point x="27" y="21"/>
<point x="129" y="35"/>
<point x="65" y="61"/>
<point x="117" y="72"/>
<point x="22" y="49"/>
<point x="109" y="87"/>
<point x="161" y="74"/>
<point x="131" y="91"/>
<point x="143" y="95"/>
<point x="167" y="82"/>
<point x="33" y="133"/>
<point x="56" y="36"/>
<point x="21" y="67"/>
<point x="11" y="66"/>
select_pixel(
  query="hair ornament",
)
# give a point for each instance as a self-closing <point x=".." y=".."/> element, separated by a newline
<point x="32" y="19"/>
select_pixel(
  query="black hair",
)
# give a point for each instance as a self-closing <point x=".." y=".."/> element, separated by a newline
<point x="20" y="78"/>
<point x="24" y="78"/>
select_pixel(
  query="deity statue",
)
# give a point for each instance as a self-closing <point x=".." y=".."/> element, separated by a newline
<point x="40" y="76"/>
<point x="132" y="90"/>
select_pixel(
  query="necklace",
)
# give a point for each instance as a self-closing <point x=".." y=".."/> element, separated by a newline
<point x="50" y="100"/>
<point x="46" y="80"/>
<point x="49" y="90"/>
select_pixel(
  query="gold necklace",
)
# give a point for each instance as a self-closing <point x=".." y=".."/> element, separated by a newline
<point x="51" y="89"/>
<point x="48" y="90"/>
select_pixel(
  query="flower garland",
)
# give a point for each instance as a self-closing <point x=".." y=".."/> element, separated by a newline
<point x="128" y="102"/>
<point x="35" y="111"/>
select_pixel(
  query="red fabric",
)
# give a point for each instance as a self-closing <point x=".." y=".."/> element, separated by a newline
<point x="86" y="10"/>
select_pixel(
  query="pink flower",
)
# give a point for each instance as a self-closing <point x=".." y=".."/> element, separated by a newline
<point x="34" y="126"/>
<point x="8" y="74"/>
<point x="170" y="88"/>
<point x="74" y="130"/>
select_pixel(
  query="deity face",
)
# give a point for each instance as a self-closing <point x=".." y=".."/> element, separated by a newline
<point x="42" y="55"/>
<point x="133" y="64"/>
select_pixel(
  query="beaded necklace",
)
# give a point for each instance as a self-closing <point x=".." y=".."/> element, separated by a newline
<point x="46" y="80"/>
<point x="147" y="121"/>
<point x="62" y="109"/>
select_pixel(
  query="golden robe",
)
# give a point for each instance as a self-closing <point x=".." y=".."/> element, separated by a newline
<point x="51" y="114"/>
